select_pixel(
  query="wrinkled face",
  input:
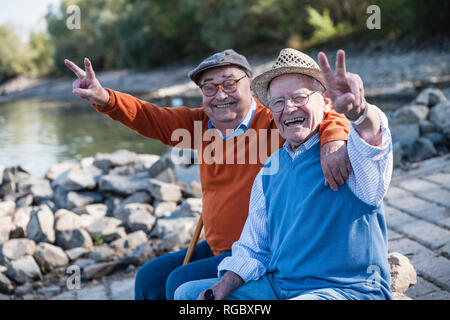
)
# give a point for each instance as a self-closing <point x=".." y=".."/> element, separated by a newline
<point x="298" y="124"/>
<point x="227" y="110"/>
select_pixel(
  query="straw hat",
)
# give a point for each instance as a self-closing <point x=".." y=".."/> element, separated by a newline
<point x="288" y="61"/>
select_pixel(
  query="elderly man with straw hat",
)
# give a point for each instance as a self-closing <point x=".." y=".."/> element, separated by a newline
<point x="301" y="240"/>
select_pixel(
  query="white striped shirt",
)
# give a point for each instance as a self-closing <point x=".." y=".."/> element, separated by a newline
<point x="369" y="181"/>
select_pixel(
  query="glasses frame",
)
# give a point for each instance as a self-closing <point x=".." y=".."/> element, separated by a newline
<point x="217" y="85"/>
<point x="291" y="99"/>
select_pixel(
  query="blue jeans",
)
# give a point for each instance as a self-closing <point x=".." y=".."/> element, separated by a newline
<point x="259" y="290"/>
<point x="158" y="278"/>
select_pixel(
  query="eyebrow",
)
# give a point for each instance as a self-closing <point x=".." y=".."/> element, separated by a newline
<point x="226" y="76"/>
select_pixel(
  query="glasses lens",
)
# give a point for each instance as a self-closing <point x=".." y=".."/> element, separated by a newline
<point x="276" y="105"/>
<point x="229" y="85"/>
<point x="299" y="100"/>
<point x="209" y="89"/>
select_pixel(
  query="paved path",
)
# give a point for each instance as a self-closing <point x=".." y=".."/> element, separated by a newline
<point x="418" y="218"/>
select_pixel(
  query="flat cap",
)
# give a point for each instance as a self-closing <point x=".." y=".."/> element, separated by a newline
<point x="224" y="58"/>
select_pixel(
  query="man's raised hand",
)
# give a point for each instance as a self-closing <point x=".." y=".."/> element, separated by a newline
<point x="345" y="89"/>
<point x="86" y="86"/>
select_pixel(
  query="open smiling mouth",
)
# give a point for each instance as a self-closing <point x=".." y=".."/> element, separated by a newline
<point x="293" y="122"/>
<point x="224" y="106"/>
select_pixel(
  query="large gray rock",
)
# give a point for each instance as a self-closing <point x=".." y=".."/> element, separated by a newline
<point x="191" y="207"/>
<point x="185" y="176"/>
<point x="102" y="253"/>
<point x="103" y="226"/>
<point x="401" y="132"/>
<point x="430" y="97"/>
<point x="81" y="199"/>
<point x="50" y="257"/>
<point x="17" y="248"/>
<point x="117" y="158"/>
<point x="7" y="208"/>
<point x="403" y="274"/>
<point x="40" y="227"/>
<point x="6" y="226"/>
<point x="69" y="239"/>
<point x="143" y="253"/>
<point x="78" y="179"/>
<point x="40" y="189"/>
<point x="410" y="114"/>
<point x="141" y="220"/>
<point x="96" y="210"/>
<point x="98" y="270"/>
<point x="440" y="116"/>
<point x="20" y="220"/>
<point x="131" y="241"/>
<point x="169" y="225"/>
<point x="67" y="220"/>
<point x="6" y="286"/>
<point x="75" y="253"/>
<point x="57" y="169"/>
<point x="124" y="185"/>
<point x="165" y="209"/>
<point x="421" y="149"/>
<point x="23" y="270"/>
<point x="165" y="191"/>
<point x="176" y="240"/>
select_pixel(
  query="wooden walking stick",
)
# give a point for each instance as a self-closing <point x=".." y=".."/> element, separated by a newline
<point x="194" y="241"/>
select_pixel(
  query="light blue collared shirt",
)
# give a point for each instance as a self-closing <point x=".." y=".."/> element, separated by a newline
<point x="242" y="127"/>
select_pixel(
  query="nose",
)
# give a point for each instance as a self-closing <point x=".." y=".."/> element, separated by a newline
<point x="220" y="94"/>
<point x="289" y="106"/>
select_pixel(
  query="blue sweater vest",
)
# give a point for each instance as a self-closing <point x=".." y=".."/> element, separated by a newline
<point x="320" y="238"/>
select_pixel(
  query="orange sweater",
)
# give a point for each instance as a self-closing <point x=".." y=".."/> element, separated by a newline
<point x="227" y="168"/>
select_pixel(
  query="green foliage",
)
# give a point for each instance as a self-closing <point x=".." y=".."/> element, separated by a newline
<point x="14" y="58"/>
<point x="142" y="34"/>
<point x="324" y="27"/>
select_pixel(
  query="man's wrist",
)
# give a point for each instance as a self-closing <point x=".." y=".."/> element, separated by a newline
<point x="358" y="115"/>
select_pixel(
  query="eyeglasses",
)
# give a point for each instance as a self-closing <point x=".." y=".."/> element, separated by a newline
<point x="298" y="100"/>
<point x="228" y="86"/>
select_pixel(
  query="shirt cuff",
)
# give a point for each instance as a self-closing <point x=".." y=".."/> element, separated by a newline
<point x="110" y="105"/>
<point x="247" y="268"/>
<point x="369" y="151"/>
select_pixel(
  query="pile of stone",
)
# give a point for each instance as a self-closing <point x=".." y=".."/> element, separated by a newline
<point x="101" y="215"/>
<point x="421" y="129"/>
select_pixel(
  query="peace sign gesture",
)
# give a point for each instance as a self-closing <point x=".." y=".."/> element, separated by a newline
<point x="86" y="86"/>
<point x="345" y="89"/>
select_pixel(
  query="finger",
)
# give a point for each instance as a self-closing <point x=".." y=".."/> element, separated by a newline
<point x="355" y="87"/>
<point x="344" y="102"/>
<point x="340" y="63"/>
<point x="329" y="179"/>
<point x="76" y="69"/>
<point x="82" y="93"/>
<point x="325" y="67"/>
<point x="89" y="70"/>
<point x="337" y="176"/>
<point x="344" y="173"/>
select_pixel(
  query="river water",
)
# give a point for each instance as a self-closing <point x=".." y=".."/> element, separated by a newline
<point x="37" y="134"/>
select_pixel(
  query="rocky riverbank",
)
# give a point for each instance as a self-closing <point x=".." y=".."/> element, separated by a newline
<point x="105" y="214"/>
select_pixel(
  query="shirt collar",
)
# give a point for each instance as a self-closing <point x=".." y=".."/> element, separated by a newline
<point x="243" y="126"/>
<point x="303" y="147"/>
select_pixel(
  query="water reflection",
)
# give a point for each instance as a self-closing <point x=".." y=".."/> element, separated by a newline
<point x="37" y="134"/>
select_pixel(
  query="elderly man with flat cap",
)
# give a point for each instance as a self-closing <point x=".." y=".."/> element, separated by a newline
<point x="234" y="118"/>
<point x="301" y="240"/>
